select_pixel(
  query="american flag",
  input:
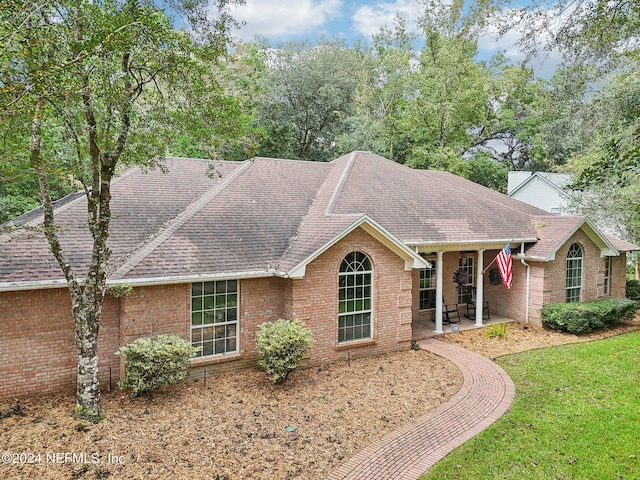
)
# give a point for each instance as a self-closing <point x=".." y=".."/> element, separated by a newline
<point x="504" y="262"/>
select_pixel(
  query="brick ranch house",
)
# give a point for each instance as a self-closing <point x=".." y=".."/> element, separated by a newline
<point x="358" y="248"/>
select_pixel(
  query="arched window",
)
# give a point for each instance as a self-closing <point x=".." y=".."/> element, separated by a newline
<point x="354" y="298"/>
<point x="574" y="273"/>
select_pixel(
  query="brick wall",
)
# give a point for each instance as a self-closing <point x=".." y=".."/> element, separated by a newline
<point x="261" y="300"/>
<point x="37" y="345"/>
<point x="315" y="300"/>
<point x="502" y="302"/>
<point x="37" y="352"/>
<point x="592" y="269"/>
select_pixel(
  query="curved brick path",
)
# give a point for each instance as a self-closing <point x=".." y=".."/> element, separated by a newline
<point x="408" y="452"/>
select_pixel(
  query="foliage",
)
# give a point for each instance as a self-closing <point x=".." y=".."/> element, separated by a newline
<point x="150" y="363"/>
<point x="499" y="330"/>
<point x="597" y="31"/>
<point x="583" y="317"/>
<point x="121" y="290"/>
<point x="633" y="290"/>
<point x="577" y="405"/>
<point x="382" y="94"/>
<point x="301" y="112"/>
<point x="282" y="345"/>
<point x="484" y="170"/>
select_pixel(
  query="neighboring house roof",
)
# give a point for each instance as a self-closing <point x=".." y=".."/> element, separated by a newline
<point x="518" y="181"/>
<point x="268" y="217"/>
<point x="541" y="189"/>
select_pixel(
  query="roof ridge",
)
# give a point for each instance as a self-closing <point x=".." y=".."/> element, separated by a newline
<point x="164" y="233"/>
<point x="315" y="210"/>
<point x="341" y="182"/>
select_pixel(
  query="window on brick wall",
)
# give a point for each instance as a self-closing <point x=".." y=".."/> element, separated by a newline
<point x="355" y="298"/>
<point x="574" y="273"/>
<point x="464" y="293"/>
<point x="214" y="317"/>
<point x="428" y="287"/>
<point x="607" y="275"/>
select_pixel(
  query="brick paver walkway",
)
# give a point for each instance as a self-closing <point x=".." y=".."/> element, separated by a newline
<point x="408" y="452"/>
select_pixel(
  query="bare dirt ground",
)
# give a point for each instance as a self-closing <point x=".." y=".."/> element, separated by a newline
<point x="240" y="425"/>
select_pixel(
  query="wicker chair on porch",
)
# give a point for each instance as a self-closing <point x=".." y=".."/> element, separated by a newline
<point x="471" y="307"/>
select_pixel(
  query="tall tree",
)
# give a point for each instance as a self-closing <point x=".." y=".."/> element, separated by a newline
<point x="308" y="92"/>
<point x="383" y="88"/>
<point x="97" y="85"/>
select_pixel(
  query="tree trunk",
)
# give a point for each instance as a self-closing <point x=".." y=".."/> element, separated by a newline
<point x="88" y="402"/>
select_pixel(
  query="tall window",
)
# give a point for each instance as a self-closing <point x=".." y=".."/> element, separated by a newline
<point x="607" y="275"/>
<point x="466" y="265"/>
<point x="214" y="317"/>
<point x="428" y="287"/>
<point x="574" y="273"/>
<point x="354" y="294"/>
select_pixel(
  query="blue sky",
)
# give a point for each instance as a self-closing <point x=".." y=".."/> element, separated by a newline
<point x="280" y="20"/>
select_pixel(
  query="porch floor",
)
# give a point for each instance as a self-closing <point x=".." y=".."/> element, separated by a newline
<point x="423" y="329"/>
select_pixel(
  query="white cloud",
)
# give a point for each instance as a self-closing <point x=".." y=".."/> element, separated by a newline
<point x="283" y="18"/>
<point x="368" y="19"/>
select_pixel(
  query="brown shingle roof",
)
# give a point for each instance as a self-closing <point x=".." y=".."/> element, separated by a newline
<point x="268" y="215"/>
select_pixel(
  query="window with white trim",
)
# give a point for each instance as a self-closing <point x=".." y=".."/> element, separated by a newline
<point x="214" y="317"/>
<point x="466" y="265"/>
<point x="428" y="287"/>
<point x="607" y="275"/>
<point x="355" y="298"/>
<point x="574" y="273"/>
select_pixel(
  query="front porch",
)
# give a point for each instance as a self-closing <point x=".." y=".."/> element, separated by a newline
<point x="422" y="329"/>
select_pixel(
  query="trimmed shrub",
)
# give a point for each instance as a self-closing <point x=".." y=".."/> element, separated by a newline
<point x="583" y="317"/>
<point x="281" y="347"/>
<point x="150" y="363"/>
<point x="633" y="290"/>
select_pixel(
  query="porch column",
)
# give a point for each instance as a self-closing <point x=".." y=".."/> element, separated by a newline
<point x="479" y="285"/>
<point x="439" y="294"/>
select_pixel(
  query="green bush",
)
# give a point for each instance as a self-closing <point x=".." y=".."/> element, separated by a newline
<point x="150" y="363"/>
<point x="281" y="347"/>
<point x="583" y="317"/>
<point x="633" y="290"/>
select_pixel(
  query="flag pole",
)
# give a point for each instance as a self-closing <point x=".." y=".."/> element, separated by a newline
<point x="494" y="258"/>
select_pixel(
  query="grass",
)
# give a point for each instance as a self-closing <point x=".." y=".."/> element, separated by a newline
<point x="576" y="416"/>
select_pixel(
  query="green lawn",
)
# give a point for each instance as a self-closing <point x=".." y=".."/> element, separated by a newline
<point x="576" y="416"/>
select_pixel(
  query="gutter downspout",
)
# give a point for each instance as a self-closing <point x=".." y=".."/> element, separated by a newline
<point x="527" y="287"/>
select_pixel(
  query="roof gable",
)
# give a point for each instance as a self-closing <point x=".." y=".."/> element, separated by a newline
<point x="555" y="231"/>
<point x="555" y="181"/>
<point x="411" y="259"/>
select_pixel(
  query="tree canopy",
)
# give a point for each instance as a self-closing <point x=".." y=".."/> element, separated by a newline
<point x="89" y="87"/>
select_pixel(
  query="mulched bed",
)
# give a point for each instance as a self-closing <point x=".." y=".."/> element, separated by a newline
<point x="237" y="426"/>
<point x="525" y="336"/>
